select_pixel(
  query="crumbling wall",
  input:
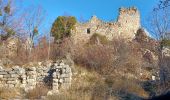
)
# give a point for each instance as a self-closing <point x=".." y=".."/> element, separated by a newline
<point x="57" y="75"/>
<point x="126" y="26"/>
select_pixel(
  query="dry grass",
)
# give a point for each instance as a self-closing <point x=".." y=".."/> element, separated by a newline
<point x="9" y="93"/>
<point x="90" y="85"/>
<point x="37" y="92"/>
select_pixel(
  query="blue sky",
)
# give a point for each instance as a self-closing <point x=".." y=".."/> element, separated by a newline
<point x="83" y="9"/>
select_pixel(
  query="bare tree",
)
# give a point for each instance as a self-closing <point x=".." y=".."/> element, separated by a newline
<point x="160" y="28"/>
<point x="33" y="22"/>
<point x="10" y="20"/>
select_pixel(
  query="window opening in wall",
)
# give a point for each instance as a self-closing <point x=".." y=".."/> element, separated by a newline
<point x="88" y="31"/>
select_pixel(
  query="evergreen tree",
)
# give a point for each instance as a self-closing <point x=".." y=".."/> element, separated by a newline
<point x="62" y="27"/>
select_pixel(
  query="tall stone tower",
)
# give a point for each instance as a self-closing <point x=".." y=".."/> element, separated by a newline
<point x="129" y="20"/>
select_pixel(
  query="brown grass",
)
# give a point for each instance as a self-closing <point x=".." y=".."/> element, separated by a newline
<point x="8" y="93"/>
<point x="37" y="92"/>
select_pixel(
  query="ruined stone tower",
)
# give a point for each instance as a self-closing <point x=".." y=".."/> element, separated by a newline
<point x="129" y="20"/>
<point x="127" y="24"/>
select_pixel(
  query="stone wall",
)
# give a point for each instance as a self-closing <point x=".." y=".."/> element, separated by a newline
<point x="55" y="75"/>
<point x="127" y="24"/>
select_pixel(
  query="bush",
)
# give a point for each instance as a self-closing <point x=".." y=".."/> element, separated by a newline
<point x="40" y="52"/>
<point x="95" y="38"/>
<point x="94" y="57"/>
<point x="165" y="42"/>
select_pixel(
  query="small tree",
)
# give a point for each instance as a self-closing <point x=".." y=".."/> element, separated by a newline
<point x="62" y="27"/>
<point x="160" y="25"/>
<point x="5" y="14"/>
<point x="33" y="22"/>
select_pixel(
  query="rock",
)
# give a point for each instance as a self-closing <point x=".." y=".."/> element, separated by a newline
<point x="49" y="93"/>
<point x="61" y="80"/>
<point x="66" y="75"/>
<point x="52" y="92"/>
<point x="55" y="80"/>
<point x="153" y="78"/>
<point x="1" y="68"/>
<point x="62" y="64"/>
<point x="7" y="76"/>
<point x="11" y="82"/>
<point x="12" y="72"/>
<point x="1" y="76"/>
<point x="68" y="69"/>
<point x="150" y="56"/>
<point x="166" y="52"/>
<point x="3" y="73"/>
<point x="14" y="75"/>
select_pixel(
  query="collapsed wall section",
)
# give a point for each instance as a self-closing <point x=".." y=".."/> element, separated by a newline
<point x="56" y="76"/>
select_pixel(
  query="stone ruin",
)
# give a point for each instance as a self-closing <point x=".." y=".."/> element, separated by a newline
<point x="57" y="75"/>
<point x="127" y="24"/>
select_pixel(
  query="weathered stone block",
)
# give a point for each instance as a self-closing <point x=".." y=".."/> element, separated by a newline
<point x="58" y="67"/>
<point x="65" y="75"/>
<point x="12" y="72"/>
<point x="7" y="76"/>
<point x="11" y="82"/>
<point x="60" y="80"/>
<point x="32" y="69"/>
<point x="3" y="73"/>
<point x="62" y="64"/>
<point x="14" y="75"/>
<point x="1" y="76"/>
<point x="11" y="79"/>
<point x="63" y="70"/>
<point x="55" y="80"/>
<point x="68" y="70"/>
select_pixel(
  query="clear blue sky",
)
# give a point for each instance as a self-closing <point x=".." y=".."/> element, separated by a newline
<point x="104" y="9"/>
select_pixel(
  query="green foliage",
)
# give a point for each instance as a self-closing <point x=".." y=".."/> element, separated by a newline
<point x="62" y="27"/>
<point x="97" y="37"/>
<point x="165" y="42"/>
<point x="9" y="32"/>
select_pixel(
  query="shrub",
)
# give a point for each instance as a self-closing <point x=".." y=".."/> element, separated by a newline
<point x="94" y="57"/>
<point x="39" y="53"/>
<point x="165" y="42"/>
<point x="95" y="38"/>
<point x="60" y="51"/>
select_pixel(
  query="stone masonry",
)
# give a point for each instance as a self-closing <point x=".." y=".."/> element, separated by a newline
<point x="57" y="75"/>
<point x="127" y="24"/>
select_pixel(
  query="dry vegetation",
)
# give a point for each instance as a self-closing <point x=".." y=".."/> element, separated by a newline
<point x="90" y="85"/>
<point x="38" y="92"/>
<point x="102" y="71"/>
<point x="8" y="93"/>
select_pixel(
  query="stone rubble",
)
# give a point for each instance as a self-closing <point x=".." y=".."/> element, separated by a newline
<point x="57" y="75"/>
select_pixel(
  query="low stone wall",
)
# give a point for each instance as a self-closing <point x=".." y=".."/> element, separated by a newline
<point x="55" y="75"/>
